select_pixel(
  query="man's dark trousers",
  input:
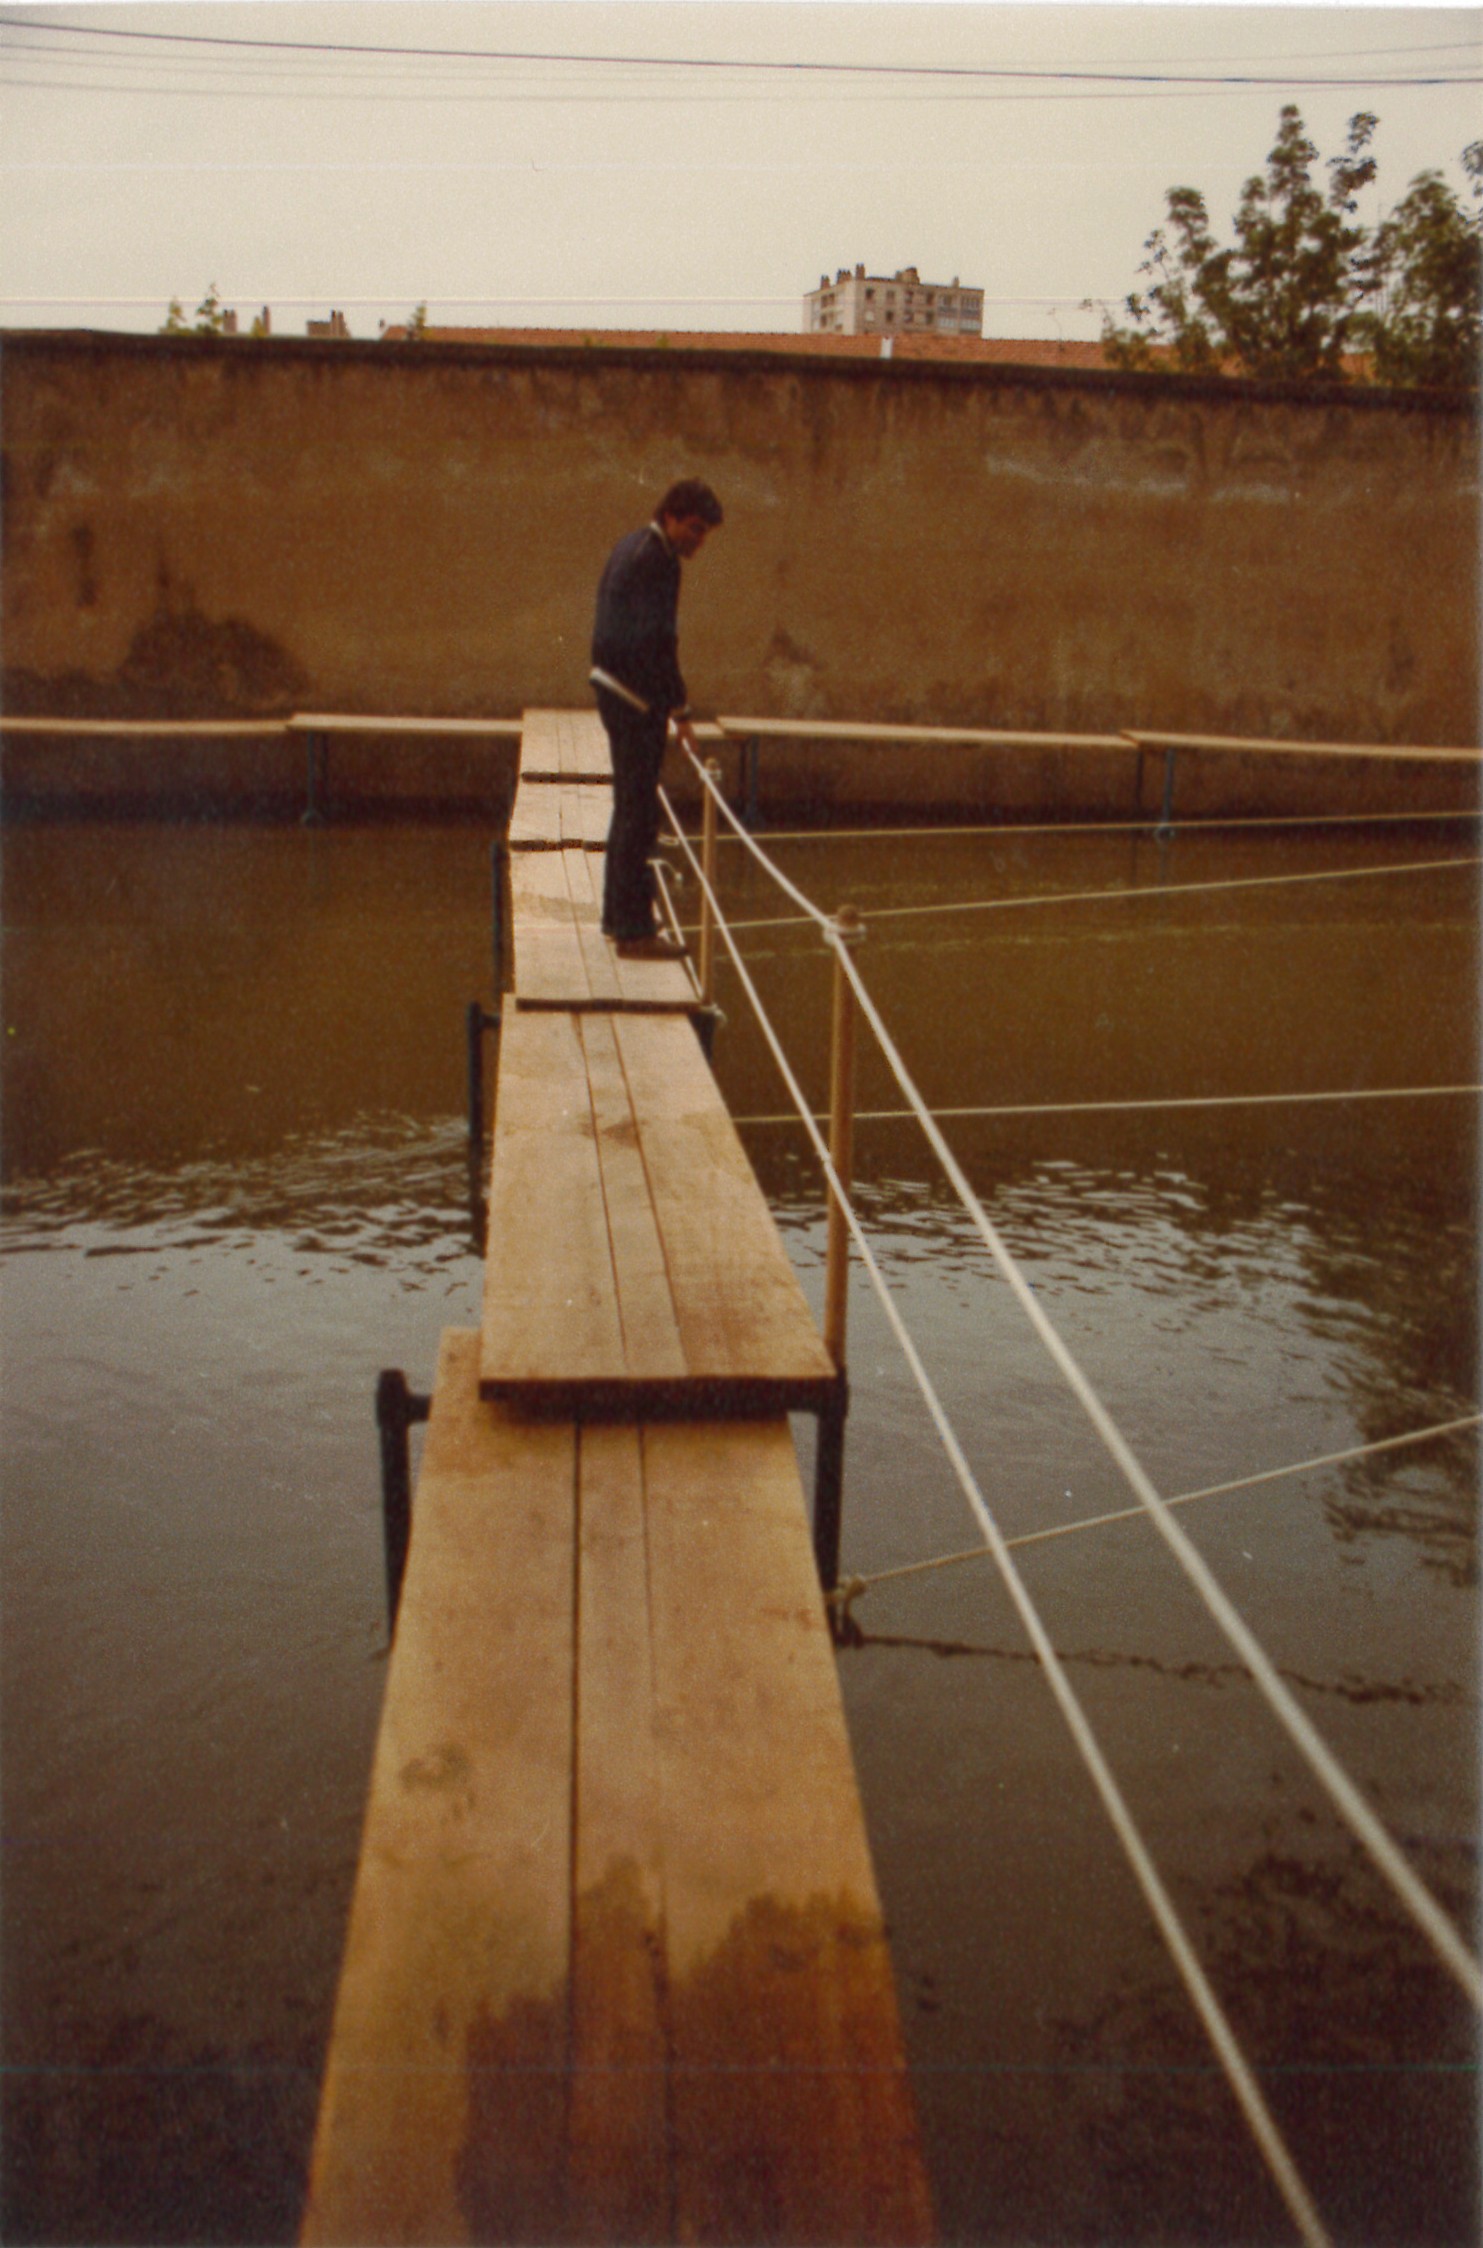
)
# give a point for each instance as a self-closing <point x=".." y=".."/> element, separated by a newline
<point x="636" y="743"/>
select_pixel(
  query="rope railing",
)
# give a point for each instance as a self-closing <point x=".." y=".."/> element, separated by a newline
<point x="1103" y="896"/>
<point x="1134" y="1107"/>
<point x="1237" y="2069"/>
<point x="1356" y="1813"/>
<point x="854" y="1588"/>
<point x="711" y="785"/>
<point x="1212" y="823"/>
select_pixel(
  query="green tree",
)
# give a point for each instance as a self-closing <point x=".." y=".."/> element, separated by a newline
<point x="417" y="323"/>
<point x="211" y="317"/>
<point x="1422" y="277"/>
<point x="1281" y="301"/>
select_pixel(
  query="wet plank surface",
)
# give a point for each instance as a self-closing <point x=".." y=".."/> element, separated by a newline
<point x="616" y="1967"/>
<point x="562" y="959"/>
<point x="564" y="745"/>
<point x="637" y="1267"/>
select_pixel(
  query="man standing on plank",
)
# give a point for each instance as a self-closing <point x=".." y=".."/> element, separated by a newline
<point x="636" y="672"/>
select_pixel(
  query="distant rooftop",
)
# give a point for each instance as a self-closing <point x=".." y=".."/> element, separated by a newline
<point x="1020" y="351"/>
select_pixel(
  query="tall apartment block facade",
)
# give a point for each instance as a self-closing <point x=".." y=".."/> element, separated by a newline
<point x="867" y="304"/>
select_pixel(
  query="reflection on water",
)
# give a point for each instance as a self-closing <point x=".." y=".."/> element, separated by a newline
<point x="236" y="1187"/>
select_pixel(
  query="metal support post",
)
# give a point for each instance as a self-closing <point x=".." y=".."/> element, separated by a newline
<point x="1166" y="815"/>
<point x="498" y="860"/>
<point x="829" y="1462"/>
<point x="396" y="1409"/>
<point x="829" y="1485"/>
<point x="476" y="1022"/>
<point x="708" y="884"/>
<point x="318" y="761"/>
<point x="751" y="761"/>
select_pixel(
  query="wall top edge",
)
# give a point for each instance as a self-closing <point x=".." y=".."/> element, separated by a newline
<point x="100" y="343"/>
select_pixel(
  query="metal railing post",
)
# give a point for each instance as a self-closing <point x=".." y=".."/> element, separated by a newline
<point x="396" y="1409"/>
<point x="1165" y="827"/>
<point x="707" y="887"/>
<point x="829" y="1458"/>
<point x="847" y="931"/>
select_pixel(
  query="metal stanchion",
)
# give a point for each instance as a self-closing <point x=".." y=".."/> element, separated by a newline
<point x="396" y="1409"/>
<point x="706" y="961"/>
<point x="829" y="1462"/>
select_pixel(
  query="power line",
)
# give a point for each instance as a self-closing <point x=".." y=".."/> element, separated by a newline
<point x="792" y="68"/>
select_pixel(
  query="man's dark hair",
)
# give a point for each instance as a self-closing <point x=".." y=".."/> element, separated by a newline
<point x="691" y="497"/>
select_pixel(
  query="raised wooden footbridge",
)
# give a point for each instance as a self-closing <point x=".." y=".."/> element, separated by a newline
<point x="616" y="1968"/>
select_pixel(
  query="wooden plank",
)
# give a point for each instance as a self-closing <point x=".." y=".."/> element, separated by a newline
<point x="619" y="2166"/>
<point x="939" y="737"/>
<point x="443" y="2111"/>
<point x="148" y="729"/>
<point x="450" y="729"/>
<point x="791" y="2111"/>
<point x="562" y="960"/>
<point x="1243" y="746"/>
<point x="740" y="1308"/>
<point x="560" y="745"/>
<point x="652" y="1343"/>
<point x="547" y="947"/>
<point x="550" y="1289"/>
<point x="634" y="1265"/>
<point x="548" y="815"/>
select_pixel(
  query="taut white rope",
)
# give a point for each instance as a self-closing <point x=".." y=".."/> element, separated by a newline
<point x="1238" y="2073"/>
<point x="810" y="911"/>
<point x="1341" y="1790"/>
<point x="1104" y="1108"/>
<point x="858" y="1585"/>
<point x="1093" y="897"/>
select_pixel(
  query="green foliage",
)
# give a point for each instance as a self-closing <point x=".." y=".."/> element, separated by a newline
<point x="211" y="317"/>
<point x="1423" y="275"/>
<point x="1303" y="283"/>
<point x="417" y="323"/>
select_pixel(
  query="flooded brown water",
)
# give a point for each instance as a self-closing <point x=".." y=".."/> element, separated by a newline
<point x="236" y="1186"/>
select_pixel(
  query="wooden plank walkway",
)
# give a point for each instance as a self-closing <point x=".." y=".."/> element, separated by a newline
<point x="637" y="1266"/>
<point x="616" y="1968"/>
<point x="563" y="745"/>
<point x="549" y="814"/>
<point x="563" y="960"/>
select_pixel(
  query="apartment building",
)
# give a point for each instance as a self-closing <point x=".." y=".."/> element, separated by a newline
<point x="864" y="304"/>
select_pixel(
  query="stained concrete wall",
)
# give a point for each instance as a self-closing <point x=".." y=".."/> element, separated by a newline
<point x="197" y="528"/>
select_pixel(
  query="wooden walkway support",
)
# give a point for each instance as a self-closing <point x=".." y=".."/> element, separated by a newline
<point x="616" y="1968"/>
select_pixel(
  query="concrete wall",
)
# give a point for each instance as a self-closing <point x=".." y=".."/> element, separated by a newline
<point x="197" y="528"/>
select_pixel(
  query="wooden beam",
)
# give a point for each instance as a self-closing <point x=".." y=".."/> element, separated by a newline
<point x="1242" y="745"/>
<point x="550" y="815"/>
<point x="444" y="2104"/>
<point x="791" y="2112"/>
<point x="562" y="959"/>
<point x="634" y="1267"/>
<point x="560" y="745"/>
<point x="928" y="737"/>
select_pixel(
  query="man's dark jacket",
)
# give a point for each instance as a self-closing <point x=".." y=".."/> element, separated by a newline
<point x="635" y="636"/>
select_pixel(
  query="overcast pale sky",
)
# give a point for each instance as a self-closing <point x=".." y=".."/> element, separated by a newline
<point x="661" y="177"/>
